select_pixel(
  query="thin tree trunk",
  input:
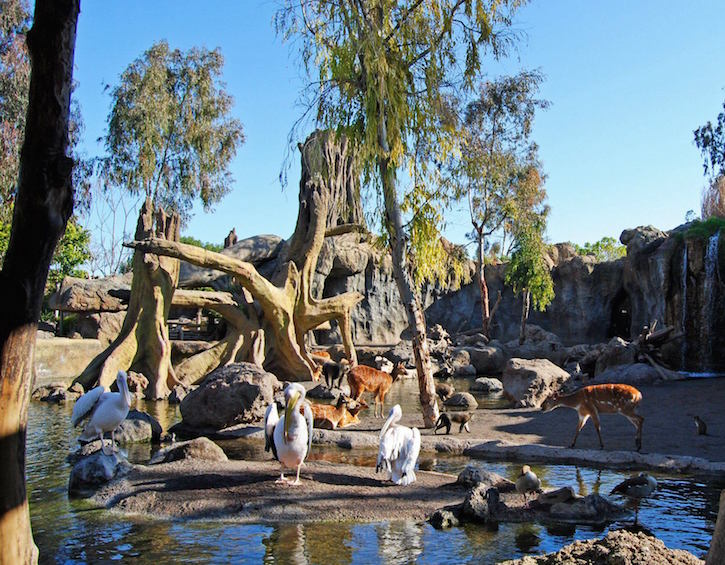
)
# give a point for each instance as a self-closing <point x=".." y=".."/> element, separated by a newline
<point x="525" y="303"/>
<point x="43" y="205"/>
<point x="483" y="287"/>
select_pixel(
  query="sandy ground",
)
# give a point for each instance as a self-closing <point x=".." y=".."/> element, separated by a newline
<point x="246" y="491"/>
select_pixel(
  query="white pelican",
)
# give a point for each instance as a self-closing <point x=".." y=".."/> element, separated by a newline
<point x="399" y="448"/>
<point x="527" y="482"/>
<point x="289" y="438"/>
<point x="106" y="409"/>
<point x="636" y="488"/>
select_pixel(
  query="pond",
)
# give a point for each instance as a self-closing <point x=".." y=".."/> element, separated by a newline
<point x="682" y="514"/>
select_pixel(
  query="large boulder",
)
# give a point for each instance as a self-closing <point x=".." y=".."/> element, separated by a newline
<point x="110" y="294"/>
<point x="617" y="352"/>
<point x="473" y="475"/>
<point x="462" y="401"/>
<point x="487" y="384"/>
<point x="238" y="393"/>
<point x="635" y="374"/>
<point x="91" y="472"/>
<point x="528" y="382"/>
<point x="487" y="360"/>
<point x="590" y="509"/>
<point x="138" y="427"/>
<point x="200" y="448"/>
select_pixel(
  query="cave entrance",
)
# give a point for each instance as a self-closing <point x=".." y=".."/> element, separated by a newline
<point x="621" y="317"/>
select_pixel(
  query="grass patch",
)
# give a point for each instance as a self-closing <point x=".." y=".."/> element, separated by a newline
<point x="705" y="229"/>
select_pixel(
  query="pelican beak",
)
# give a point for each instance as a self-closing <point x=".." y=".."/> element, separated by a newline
<point x="288" y="411"/>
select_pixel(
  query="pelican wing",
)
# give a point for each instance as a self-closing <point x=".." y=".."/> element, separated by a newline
<point x="310" y="422"/>
<point x="271" y="419"/>
<point x="84" y="405"/>
<point x="409" y="454"/>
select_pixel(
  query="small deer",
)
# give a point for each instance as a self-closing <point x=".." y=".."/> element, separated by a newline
<point x="592" y="400"/>
<point x="331" y="417"/>
<point x="362" y="378"/>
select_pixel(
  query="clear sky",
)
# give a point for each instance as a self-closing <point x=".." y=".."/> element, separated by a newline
<point x="628" y="82"/>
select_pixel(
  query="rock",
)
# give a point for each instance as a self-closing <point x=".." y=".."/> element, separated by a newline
<point x="617" y="352"/>
<point x="551" y="497"/>
<point x="476" y="339"/>
<point x="138" y="427"/>
<point x="475" y="506"/>
<point x="462" y="401"/>
<point x="486" y="359"/>
<point x="465" y="371"/>
<point x="474" y="475"/>
<point x="178" y="393"/>
<point x="591" y="509"/>
<point x="487" y="385"/>
<point x="635" y="374"/>
<point x="619" y="547"/>
<point x="638" y="238"/>
<point x="443" y="519"/>
<point x="459" y="357"/>
<point x="199" y="448"/>
<point x="55" y="393"/>
<point x="109" y="294"/>
<point x="716" y="554"/>
<point x="383" y="364"/>
<point x="237" y="393"/>
<point x="321" y="392"/>
<point x="436" y="332"/>
<point x="530" y="382"/>
<point x="95" y="470"/>
<point x="256" y="250"/>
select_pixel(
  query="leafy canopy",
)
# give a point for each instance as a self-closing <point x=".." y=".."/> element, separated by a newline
<point x="170" y="133"/>
<point x="606" y="249"/>
<point x="203" y="244"/>
<point x="710" y="140"/>
<point x="379" y="72"/>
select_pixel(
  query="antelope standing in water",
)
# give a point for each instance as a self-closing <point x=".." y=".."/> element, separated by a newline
<point x="362" y="378"/>
<point x="590" y="401"/>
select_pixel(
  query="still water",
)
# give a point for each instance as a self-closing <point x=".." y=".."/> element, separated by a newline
<point x="682" y="514"/>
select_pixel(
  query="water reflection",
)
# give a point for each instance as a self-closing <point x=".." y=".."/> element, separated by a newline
<point x="682" y="513"/>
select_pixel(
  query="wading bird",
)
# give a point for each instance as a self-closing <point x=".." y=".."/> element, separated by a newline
<point x="399" y="448"/>
<point x="527" y="482"/>
<point x="289" y="437"/>
<point x="106" y="410"/>
<point x="636" y="488"/>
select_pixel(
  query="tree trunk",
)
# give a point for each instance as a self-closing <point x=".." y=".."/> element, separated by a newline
<point x="143" y="343"/>
<point x="482" y="286"/>
<point x="43" y="205"/>
<point x="525" y="304"/>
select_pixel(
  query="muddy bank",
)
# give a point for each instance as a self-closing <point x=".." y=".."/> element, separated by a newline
<point x="245" y="491"/>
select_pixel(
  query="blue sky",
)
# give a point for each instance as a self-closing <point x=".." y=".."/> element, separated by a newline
<point x="628" y="83"/>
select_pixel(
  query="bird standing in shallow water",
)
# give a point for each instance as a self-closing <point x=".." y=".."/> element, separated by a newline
<point x="106" y="410"/>
<point x="289" y="437"/>
<point x="636" y="488"/>
<point x="527" y="482"/>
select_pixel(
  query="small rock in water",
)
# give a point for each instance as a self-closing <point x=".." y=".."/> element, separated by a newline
<point x="443" y="519"/>
<point x="473" y="475"/>
<point x="95" y="470"/>
<point x="139" y="427"/>
<point x="462" y="400"/>
<point x="487" y="385"/>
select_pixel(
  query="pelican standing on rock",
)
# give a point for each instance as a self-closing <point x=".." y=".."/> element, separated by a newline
<point x="636" y="488"/>
<point x="527" y="482"/>
<point x="399" y="449"/>
<point x="289" y="438"/>
<point x="106" y="410"/>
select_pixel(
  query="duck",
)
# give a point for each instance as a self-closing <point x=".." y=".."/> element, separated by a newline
<point x="289" y="437"/>
<point x="399" y="449"/>
<point x="636" y="488"/>
<point x="105" y="411"/>
<point x="527" y="482"/>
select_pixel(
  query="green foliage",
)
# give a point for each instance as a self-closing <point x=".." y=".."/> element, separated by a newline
<point x="203" y="244"/>
<point x="380" y="70"/>
<point x="527" y="270"/>
<point x="606" y="249"/>
<point x="170" y="135"/>
<point x="704" y="229"/>
<point x="710" y="140"/>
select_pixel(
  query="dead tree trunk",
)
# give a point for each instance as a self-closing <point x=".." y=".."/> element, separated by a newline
<point x="525" y="307"/>
<point x="482" y="286"/>
<point x="143" y="344"/>
<point x="43" y="205"/>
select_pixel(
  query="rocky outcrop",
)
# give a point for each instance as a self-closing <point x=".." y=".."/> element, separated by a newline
<point x="108" y="294"/>
<point x="95" y="470"/>
<point x="200" y="448"/>
<point x="238" y="393"/>
<point x="138" y="427"/>
<point x="486" y="359"/>
<point x="619" y="547"/>
<point x="57" y="392"/>
<point x="473" y="475"/>
<point x="530" y="382"/>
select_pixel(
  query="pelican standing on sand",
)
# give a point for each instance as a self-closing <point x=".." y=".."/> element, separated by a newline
<point x="289" y="438"/>
<point x="527" y="482"/>
<point x="636" y="488"/>
<point x="399" y="449"/>
<point x="106" y="409"/>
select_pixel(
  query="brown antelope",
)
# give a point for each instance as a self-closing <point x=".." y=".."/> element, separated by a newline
<point x="329" y="416"/>
<point x="350" y="418"/>
<point x="592" y="400"/>
<point x="362" y="378"/>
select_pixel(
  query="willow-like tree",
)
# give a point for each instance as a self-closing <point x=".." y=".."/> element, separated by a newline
<point x="527" y="271"/>
<point x="495" y="137"/>
<point x="379" y="69"/>
<point x="170" y="134"/>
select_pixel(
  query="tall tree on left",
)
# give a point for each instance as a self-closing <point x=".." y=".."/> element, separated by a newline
<point x="43" y="204"/>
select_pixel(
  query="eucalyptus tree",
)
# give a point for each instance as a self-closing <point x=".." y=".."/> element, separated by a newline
<point x="170" y="134"/>
<point x="710" y="139"/>
<point x="495" y="138"/>
<point x="378" y="72"/>
<point x="527" y="271"/>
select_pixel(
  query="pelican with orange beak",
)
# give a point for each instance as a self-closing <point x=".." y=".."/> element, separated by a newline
<point x="289" y="437"/>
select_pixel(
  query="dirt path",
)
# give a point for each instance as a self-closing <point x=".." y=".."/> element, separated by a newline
<point x="246" y="491"/>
